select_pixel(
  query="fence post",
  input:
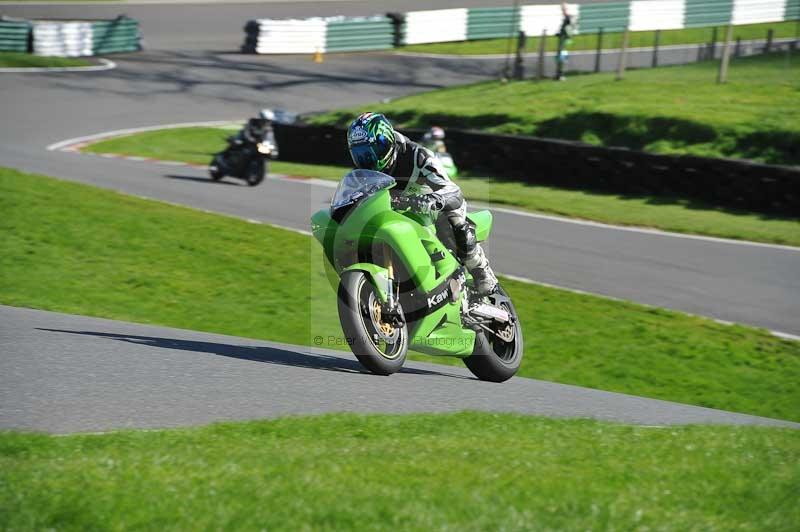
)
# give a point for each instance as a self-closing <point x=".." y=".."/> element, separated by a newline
<point x="519" y="67"/>
<point x="770" y="35"/>
<point x="599" y="50"/>
<point x="623" y="55"/>
<point x="540" y="64"/>
<point x="712" y="46"/>
<point x="737" y="51"/>
<point x="722" y="77"/>
<point x="655" y="48"/>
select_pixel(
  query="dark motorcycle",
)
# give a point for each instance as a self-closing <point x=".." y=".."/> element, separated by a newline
<point x="243" y="160"/>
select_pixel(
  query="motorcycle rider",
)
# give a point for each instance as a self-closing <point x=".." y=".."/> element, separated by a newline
<point x="375" y="145"/>
<point x="259" y="129"/>
<point x="433" y="139"/>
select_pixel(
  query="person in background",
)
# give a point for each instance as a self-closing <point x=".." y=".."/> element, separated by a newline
<point x="564" y="39"/>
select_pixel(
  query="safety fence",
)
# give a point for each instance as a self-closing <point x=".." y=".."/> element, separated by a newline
<point x="724" y="182"/>
<point x="331" y="34"/>
<point x="70" y="38"/>
<point x="465" y="24"/>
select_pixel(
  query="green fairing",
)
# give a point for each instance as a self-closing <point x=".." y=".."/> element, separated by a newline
<point x="371" y="226"/>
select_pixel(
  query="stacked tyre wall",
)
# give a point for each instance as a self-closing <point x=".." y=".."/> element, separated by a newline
<point x="465" y="24"/>
<point x="68" y="38"/>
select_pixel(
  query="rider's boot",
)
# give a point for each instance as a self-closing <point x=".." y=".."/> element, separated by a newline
<point x="485" y="282"/>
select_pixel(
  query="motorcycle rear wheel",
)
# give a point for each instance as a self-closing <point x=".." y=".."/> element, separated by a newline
<point x="365" y="333"/>
<point x="215" y="170"/>
<point x="493" y="359"/>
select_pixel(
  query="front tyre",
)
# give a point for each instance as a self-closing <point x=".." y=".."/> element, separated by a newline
<point x="378" y="344"/>
<point x="254" y="174"/>
<point x="494" y="359"/>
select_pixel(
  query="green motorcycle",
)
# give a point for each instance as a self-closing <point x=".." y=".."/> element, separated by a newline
<point x="401" y="287"/>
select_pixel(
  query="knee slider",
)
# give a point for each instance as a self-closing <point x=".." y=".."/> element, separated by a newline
<point x="466" y="240"/>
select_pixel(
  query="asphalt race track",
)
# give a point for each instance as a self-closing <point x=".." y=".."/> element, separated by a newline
<point x="62" y="381"/>
<point x="102" y="375"/>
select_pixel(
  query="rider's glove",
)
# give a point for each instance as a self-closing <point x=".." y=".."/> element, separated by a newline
<point x="426" y="203"/>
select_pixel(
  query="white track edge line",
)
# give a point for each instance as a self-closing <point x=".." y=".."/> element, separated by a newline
<point x="107" y="64"/>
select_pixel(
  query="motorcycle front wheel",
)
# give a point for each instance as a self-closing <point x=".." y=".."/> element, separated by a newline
<point x="494" y="359"/>
<point x="256" y="169"/>
<point x="379" y="345"/>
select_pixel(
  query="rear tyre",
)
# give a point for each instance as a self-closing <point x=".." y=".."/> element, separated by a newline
<point x="378" y="345"/>
<point x="493" y="359"/>
<point x="215" y="169"/>
<point x="255" y="172"/>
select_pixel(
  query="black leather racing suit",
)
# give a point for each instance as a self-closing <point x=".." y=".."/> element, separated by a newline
<point x="419" y="173"/>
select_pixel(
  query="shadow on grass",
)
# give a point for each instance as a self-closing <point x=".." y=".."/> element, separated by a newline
<point x="268" y="355"/>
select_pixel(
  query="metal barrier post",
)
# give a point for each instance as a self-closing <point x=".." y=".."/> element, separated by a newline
<point x="737" y="50"/>
<point x="599" y="50"/>
<point x="722" y="77"/>
<point x="519" y="67"/>
<point x="712" y="46"/>
<point x="540" y="64"/>
<point x="623" y="55"/>
<point x="770" y="35"/>
<point x="655" y="48"/>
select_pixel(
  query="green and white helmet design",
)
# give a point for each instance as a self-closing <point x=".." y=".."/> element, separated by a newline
<point x="371" y="141"/>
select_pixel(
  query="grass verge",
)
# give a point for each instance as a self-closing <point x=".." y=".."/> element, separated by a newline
<point x="466" y="471"/>
<point x="611" y="40"/>
<point x="25" y="60"/>
<point x="77" y="249"/>
<point x="678" y="109"/>
<point x="195" y="145"/>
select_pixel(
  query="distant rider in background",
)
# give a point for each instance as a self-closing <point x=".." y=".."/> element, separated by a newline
<point x="259" y="129"/>
<point x="434" y="140"/>
<point x="375" y="145"/>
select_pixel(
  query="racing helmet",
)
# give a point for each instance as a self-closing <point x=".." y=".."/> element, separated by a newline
<point x="371" y="141"/>
<point x="267" y="115"/>
<point x="436" y="133"/>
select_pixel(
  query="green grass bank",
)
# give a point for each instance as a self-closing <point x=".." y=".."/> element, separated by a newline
<point x="195" y="145"/>
<point x="466" y="471"/>
<point x="77" y="249"/>
<point x="677" y="109"/>
<point x="25" y="60"/>
<point x="611" y="40"/>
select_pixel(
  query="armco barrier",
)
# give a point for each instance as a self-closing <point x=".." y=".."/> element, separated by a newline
<point x="332" y="34"/>
<point x="14" y="35"/>
<point x="85" y="38"/>
<point x="724" y="182"/>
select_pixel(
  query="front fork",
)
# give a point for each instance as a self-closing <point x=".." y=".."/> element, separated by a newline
<point x="393" y="293"/>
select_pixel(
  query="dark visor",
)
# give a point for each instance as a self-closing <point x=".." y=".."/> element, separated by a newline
<point x="364" y="156"/>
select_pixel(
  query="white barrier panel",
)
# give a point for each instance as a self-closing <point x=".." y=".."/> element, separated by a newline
<point x="757" y="11"/>
<point x="64" y="39"/>
<point x="535" y="19"/>
<point x="649" y="15"/>
<point x="439" y="25"/>
<point x="291" y="36"/>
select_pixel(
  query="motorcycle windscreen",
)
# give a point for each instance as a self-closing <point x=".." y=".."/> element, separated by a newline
<point x="358" y="184"/>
